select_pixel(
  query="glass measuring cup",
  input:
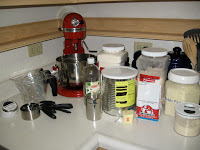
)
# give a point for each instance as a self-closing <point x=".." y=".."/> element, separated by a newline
<point x="33" y="85"/>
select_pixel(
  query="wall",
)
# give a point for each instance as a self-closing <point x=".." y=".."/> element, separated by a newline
<point x="14" y="61"/>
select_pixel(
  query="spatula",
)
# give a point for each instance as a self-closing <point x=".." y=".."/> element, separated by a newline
<point x="191" y="51"/>
<point x="194" y="34"/>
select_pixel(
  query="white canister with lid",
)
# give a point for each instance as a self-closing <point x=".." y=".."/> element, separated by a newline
<point x="112" y="55"/>
<point x="187" y="119"/>
<point x="153" y="64"/>
<point x="182" y="86"/>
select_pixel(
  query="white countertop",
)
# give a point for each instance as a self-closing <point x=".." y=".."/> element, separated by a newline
<point x="74" y="132"/>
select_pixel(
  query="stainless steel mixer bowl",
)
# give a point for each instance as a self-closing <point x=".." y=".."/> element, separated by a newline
<point x="70" y="69"/>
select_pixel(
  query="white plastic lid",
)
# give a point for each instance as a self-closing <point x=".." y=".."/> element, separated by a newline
<point x="90" y="60"/>
<point x="188" y="110"/>
<point x="183" y="76"/>
<point x="113" y="47"/>
<point x="154" y="52"/>
<point x="119" y="72"/>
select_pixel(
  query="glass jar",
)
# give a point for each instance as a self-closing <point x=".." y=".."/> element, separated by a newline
<point x="187" y="119"/>
<point x="152" y="73"/>
<point x="182" y="86"/>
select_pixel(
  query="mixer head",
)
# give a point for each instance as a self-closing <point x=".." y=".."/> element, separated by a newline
<point x="74" y="27"/>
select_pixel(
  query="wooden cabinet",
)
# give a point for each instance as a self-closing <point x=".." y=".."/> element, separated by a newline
<point x="161" y="29"/>
<point x="13" y="3"/>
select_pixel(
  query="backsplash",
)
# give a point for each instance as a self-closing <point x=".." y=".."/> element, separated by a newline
<point x="17" y="61"/>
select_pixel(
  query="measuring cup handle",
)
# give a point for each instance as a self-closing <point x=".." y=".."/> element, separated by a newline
<point x="51" y="79"/>
<point x="53" y="84"/>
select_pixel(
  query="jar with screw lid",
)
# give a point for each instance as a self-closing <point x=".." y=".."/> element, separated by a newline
<point x="112" y="55"/>
<point x="182" y="86"/>
<point x="187" y="119"/>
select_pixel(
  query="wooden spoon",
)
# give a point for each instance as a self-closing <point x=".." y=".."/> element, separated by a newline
<point x="191" y="51"/>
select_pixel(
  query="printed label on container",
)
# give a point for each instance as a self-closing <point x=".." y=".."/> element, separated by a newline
<point x="124" y="93"/>
<point x="150" y="79"/>
<point x="92" y="87"/>
<point x="149" y="97"/>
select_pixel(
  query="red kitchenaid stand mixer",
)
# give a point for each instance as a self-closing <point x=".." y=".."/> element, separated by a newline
<point x="74" y="29"/>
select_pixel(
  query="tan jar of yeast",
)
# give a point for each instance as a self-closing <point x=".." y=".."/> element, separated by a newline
<point x="182" y="86"/>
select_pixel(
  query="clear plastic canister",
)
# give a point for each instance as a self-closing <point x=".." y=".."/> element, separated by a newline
<point x="112" y="55"/>
<point x="182" y="86"/>
<point x="118" y="89"/>
<point x="187" y="119"/>
<point x="153" y="64"/>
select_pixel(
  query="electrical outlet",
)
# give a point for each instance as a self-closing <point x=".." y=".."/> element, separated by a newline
<point x="35" y="49"/>
<point x="140" y="45"/>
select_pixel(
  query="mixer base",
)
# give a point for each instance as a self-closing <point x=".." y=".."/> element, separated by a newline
<point x="69" y="92"/>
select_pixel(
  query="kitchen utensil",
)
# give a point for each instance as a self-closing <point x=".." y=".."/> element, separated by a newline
<point x="33" y="85"/>
<point x="50" y="107"/>
<point x="70" y="74"/>
<point x="190" y="50"/>
<point x="195" y="35"/>
<point x="53" y="105"/>
<point x="30" y="111"/>
<point x="48" y="112"/>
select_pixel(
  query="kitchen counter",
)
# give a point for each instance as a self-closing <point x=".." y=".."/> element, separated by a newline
<point x="74" y="132"/>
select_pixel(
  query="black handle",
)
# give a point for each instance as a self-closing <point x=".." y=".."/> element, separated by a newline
<point x="50" y="108"/>
<point x="48" y="102"/>
<point x="64" y="106"/>
<point x="53" y="84"/>
<point x="63" y="110"/>
<point x="52" y="81"/>
<point x="48" y="113"/>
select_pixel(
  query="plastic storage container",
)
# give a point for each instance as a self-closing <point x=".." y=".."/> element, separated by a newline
<point x="182" y="86"/>
<point x="152" y="72"/>
<point x="112" y="55"/>
<point x="92" y="97"/>
<point x="118" y="90"/>
<point x="8" y="109"/>
<point x="187" y="119"/>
